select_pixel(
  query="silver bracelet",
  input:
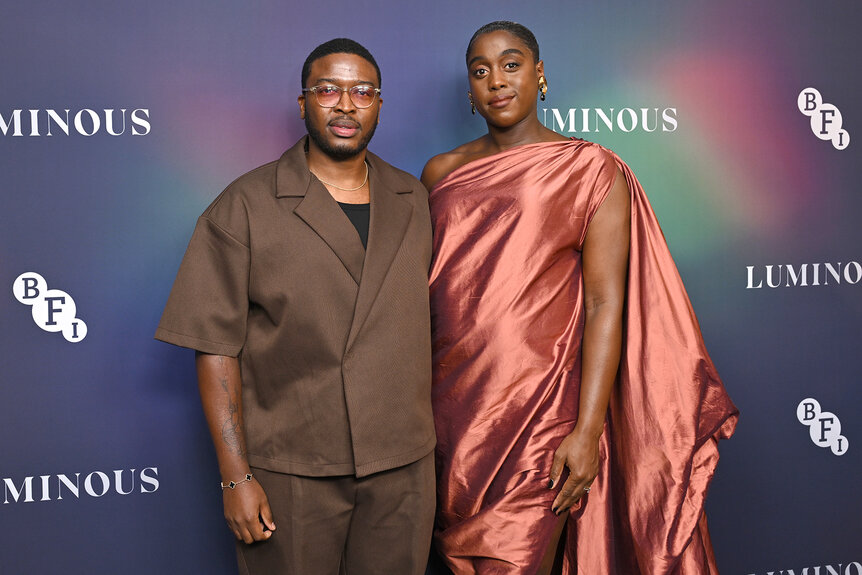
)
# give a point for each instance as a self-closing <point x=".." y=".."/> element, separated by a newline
<point x="233" y="484"/>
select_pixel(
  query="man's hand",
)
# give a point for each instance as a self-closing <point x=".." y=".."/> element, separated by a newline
<point x="247" y="512"/>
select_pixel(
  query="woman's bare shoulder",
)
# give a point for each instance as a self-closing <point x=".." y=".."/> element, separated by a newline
<point x="444" y="164"/>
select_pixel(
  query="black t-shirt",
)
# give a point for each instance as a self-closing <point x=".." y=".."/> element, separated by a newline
<point x="359" y="215"/>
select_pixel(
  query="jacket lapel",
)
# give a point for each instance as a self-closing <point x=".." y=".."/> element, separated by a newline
<point x="322" y="214"/>
<point x="390" y="215"/>
<point x="319" y="209"/>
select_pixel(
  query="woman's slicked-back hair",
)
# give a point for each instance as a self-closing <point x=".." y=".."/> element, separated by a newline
<point x="518" y="30"/>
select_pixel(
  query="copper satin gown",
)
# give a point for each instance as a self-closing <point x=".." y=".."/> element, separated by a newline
<point x="507" y="323"/>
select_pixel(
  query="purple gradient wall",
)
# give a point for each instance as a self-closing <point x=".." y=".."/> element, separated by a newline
<point x="739" y="179"/>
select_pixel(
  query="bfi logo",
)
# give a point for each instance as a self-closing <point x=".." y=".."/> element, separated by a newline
<point x="826" y="119"/>
<point x="53" y="310"/>
<point x="823" y="426"/>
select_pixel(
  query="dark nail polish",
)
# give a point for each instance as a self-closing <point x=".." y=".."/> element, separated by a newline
<point x="550" y="483"/>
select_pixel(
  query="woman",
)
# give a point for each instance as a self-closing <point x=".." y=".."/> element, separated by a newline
<point x="555" y="303"/>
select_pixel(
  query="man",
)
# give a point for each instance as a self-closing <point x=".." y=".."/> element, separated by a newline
<point x="304" y="291"/>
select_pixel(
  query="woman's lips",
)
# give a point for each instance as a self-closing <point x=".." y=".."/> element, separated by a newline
<point x="500" y="101"/>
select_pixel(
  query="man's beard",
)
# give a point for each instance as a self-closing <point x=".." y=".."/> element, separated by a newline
<point x="340" y="152"/>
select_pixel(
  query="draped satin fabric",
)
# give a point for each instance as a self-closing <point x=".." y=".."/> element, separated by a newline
<point x="507" y="324"/>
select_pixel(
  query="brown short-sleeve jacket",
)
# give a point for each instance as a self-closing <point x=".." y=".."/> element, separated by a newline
<point x="334" y="343"/>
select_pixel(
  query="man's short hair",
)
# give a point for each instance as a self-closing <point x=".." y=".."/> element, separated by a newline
<point x="338" y="46"/>
<point x="519" y="31"/>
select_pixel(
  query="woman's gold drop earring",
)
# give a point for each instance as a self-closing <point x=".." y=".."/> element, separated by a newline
<point x="543" y="87"/>
<point x="472" y="106"/>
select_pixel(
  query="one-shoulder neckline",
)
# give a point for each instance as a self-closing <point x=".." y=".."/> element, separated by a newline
<point x="503" y="153"/>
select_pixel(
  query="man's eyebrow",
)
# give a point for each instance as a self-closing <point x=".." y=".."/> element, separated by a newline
<point x="335" y="81"/>
<point x="503" y="53"/>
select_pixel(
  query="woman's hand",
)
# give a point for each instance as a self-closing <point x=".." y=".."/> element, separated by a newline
<point x="579" y="452"/>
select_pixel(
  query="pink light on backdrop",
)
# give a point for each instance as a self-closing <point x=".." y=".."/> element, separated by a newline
<point x="750" y="127"/>
<point x="218" y="129"/>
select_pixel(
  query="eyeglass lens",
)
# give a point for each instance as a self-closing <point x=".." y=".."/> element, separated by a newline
<point x="329" y="96"/>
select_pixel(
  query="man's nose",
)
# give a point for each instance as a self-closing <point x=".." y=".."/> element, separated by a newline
<point x="345" y="103"/>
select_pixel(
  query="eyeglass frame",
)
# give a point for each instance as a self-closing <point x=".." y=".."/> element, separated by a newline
<point x="341" y="91"/>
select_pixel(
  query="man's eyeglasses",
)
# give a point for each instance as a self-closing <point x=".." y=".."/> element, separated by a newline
<point x="329" y="95"/>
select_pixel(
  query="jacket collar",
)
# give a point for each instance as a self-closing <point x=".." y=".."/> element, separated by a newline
<point x="293" y="178"/>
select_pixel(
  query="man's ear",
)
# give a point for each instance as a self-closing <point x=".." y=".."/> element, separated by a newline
<point x="301" y="102"/>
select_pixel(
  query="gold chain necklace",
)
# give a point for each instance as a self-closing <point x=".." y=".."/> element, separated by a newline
<point x="322" y="181"/>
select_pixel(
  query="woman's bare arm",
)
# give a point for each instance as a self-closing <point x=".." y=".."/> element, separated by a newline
<point x="605" y="261"/>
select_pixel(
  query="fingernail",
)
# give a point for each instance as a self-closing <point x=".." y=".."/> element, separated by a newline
<point x="550" y="484"/>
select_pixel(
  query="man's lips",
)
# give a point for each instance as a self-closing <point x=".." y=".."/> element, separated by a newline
<point x="343" y="128"/>
<point x="500" y="101"/>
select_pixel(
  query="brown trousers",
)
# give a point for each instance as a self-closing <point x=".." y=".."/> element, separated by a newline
<point x="380" y="524"/>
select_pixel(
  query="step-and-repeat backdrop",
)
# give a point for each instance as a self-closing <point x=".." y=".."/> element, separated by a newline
<point x="120" y="122"/>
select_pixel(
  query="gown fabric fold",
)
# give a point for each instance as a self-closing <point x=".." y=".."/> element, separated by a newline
<point x="507" y="307"/>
